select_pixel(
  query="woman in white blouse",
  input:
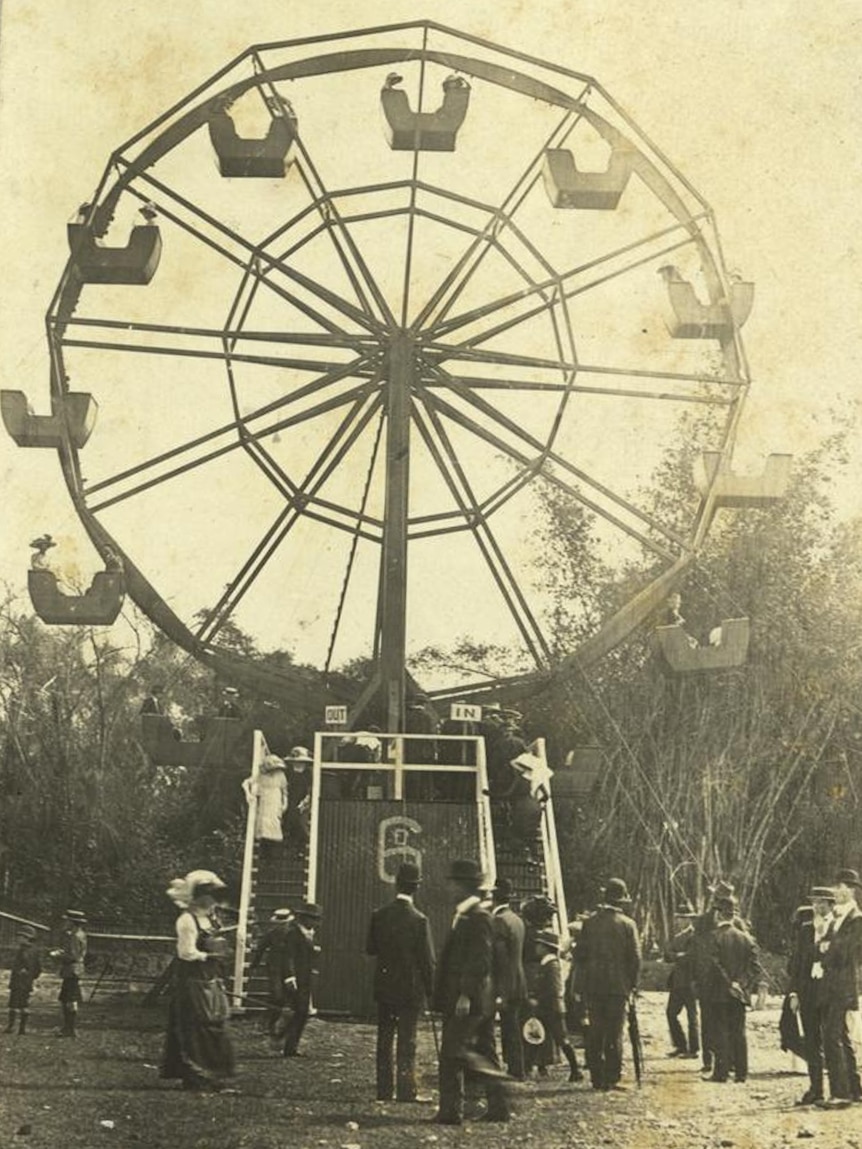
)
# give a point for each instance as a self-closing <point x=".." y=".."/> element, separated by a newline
<point x="198" y="1047"/>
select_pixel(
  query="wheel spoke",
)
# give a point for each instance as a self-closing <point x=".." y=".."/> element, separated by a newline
<point x="459" y="485"/>
<point x="480" y="383"/>
<point x="332" y="455"/>
<point x="232" y="427"/>
<point x="254" y="251"/>
<point x="541" y="465"/>
<point x="469" y="262"/>
<point x="520" y="432"/>
<point x="356" y="343"/>
<point x="477" y="314"/>
<point x="323" y="203"/>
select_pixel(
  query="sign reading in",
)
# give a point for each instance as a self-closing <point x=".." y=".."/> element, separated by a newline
<point x="335" y="716"/>
<point x="465" y="712"/>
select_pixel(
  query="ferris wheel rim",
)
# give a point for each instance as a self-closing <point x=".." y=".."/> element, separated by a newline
<point x="66" y="297"/>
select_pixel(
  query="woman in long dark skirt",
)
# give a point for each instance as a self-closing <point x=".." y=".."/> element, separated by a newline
<point x="198" y="1048"/>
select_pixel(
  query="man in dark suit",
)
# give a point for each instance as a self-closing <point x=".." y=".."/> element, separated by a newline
<point x="608" y="961"/>
<point x="399" y="936"/>
<point x="509" y="978"/>
<point x="464" y="994"/>
<point x="841" y="954"/>
<point x="300" y="954"/>
<point x="273" y="947"/>
<point x="805" y="987"/>
<point x="735" y="973"/>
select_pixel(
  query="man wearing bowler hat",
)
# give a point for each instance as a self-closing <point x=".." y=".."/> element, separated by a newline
<point x="301" y="951"/>
<point x="840" y="951"/>
<point x="607" y="965"/>
<point x="399" y="937"/>
<point x="465" y="996"/>
<point x="735" y="972"/>
<point x="510" y="979"/>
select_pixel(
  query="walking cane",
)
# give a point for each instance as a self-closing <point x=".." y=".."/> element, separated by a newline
<point x="434" y="1034"/>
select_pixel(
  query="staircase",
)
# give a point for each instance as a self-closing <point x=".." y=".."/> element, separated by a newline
<point x="532" y="868"/>
<point x="278" y="878"/>
<point x="274" y="875"/>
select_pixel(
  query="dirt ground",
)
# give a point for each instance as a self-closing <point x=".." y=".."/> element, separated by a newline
<point x="104" y="1090"/>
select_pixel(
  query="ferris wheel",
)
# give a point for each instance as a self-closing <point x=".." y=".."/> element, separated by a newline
<point x="330" y="324"/>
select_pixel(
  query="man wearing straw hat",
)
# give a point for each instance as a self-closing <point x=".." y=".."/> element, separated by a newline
<point x="841" y="954"/>
<point x="805" y="988"/>
<point x="26" y="967"/>
<point x="300" y="956"/>
<point x="71" y="957"/>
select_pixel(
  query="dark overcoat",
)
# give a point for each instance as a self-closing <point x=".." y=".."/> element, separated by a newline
<point x="399" y="936"/>
<point x="608" y="955"/>
<point x="467" y="963"/>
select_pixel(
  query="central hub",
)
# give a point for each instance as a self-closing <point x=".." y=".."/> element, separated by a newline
<point x="401" y="359"/>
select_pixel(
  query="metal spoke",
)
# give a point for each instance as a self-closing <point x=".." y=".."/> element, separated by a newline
<point x="411" y="219"/>
<point x="480" y="383"/>
<point x="543" y="448"/>
<point x="330" y="457"/>
<point x="322" y="201"/>
<point x="314" y="288"/>
<point x="518" y="193"/>
<point x="271" y="429"/>
<point x="458" y="483"/>
<point x="197" y="353"/>
<point x="356" y="343"/>
<point x="437" y="353"/>
<point x="541" y="468"/>
<point x="505" y="301"/>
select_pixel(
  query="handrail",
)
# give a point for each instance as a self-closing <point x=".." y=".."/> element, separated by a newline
<point x="488" y="854"/>
<point x="258" y="753"/>
<point x="551" y="851"/>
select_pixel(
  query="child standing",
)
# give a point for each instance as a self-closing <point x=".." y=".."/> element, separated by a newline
<point x="26" y="967"/>
<point x="547" y="992"/>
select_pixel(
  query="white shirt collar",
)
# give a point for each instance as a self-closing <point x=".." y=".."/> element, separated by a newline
<point x="467" y="904"/>
<point x="404" y="898"/>
<point x="500" y="908"/>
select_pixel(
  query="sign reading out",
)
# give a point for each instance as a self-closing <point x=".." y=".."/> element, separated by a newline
<point x="465" y="712"/>
<point x="335" y="716"/>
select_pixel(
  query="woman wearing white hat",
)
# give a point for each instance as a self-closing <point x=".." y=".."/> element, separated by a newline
<point x="270" y="788"/>
<point x="198" y="1047"/>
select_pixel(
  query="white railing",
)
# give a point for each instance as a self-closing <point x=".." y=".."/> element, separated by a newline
<point x="487" y="849"/>
<point x="258" y="753"/>
<point x="551" y="851"/>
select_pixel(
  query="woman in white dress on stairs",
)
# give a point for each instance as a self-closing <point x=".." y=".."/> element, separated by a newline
<point x="270" y="788"/>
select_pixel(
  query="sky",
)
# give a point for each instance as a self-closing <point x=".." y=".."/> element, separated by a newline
<point x="756" y="104"/>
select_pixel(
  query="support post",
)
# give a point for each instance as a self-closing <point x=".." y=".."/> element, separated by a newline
<point x="393" y="576"/>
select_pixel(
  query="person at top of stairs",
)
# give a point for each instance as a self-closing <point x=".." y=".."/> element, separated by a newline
<point x="270" y="789"/>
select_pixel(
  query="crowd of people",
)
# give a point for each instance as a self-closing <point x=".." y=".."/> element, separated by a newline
<point x="503" y="969"/>
<point x="717" y="971"/>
